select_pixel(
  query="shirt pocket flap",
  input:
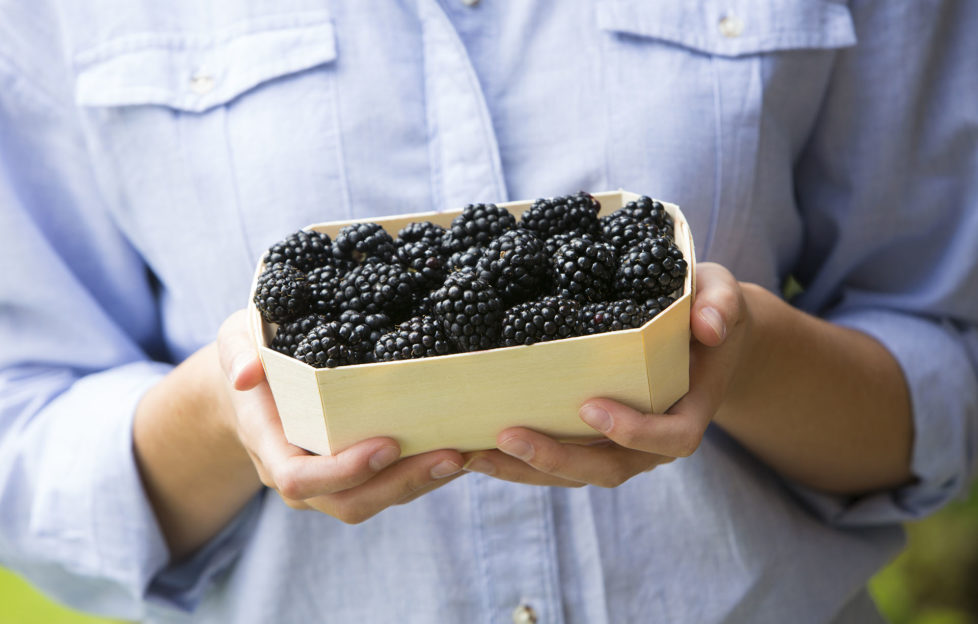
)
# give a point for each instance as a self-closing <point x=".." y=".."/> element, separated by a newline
<point x="736" y="28"/>
<point x="193" y="72"/>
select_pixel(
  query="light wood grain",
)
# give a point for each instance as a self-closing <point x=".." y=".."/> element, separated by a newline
<point x="463" y="401"/>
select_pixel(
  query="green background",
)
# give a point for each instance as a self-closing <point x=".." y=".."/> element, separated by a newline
<point x="934" y="581"/>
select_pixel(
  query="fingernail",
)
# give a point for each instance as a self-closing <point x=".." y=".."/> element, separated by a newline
<point x="597" y="417"/>
<point x="712" y="318"/>
<point x="480" y="464"/>
<point x="383" y="458"/>
<point x="445" y="469"/>
<point x="518" y="448"/>
<point x="238" y="365"/>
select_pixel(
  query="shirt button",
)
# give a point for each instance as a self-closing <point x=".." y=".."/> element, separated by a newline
<point x="201" y="82"/>
<point x="524" y="614"/>
<point x="731" y="26"/>
<point x="470" y="3"/>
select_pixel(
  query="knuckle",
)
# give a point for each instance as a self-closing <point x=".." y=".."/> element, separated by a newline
<point x="351" y="513"/>
<point x="289" y="485"/>
<point x="546" y="462"/>
<point x="294" y="504"/>
<point x="613" y="478"/>
<point x="688" y="443"/>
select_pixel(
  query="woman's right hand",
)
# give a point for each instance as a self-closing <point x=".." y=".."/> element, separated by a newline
<point x="353" y="485"/>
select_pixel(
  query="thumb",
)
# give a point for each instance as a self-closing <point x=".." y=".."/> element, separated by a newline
<point x="718" y="305"/>
<point x="237" y="352"/>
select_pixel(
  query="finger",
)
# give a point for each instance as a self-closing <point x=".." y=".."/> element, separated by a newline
<point x="674" y="434"/>
<point x="501" y="466"/>
<point x="405" y="478"/>
<point x="718" y="306"/>
<point x="602" y="465"/>
<point x="431" y="487"/>
<point x="237" y="353"/>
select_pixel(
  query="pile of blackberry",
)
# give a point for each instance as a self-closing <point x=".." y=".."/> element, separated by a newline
<point x="487" y="281"/>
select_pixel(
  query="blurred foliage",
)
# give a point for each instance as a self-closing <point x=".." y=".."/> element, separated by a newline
<point x="934" y="581"/>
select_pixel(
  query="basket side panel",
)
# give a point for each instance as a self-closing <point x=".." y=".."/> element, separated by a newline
<point x="471" y="398"/>
<point x="297" y="397"/>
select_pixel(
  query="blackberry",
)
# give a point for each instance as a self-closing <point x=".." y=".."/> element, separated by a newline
<point x="304" y="250"/>
<point x="555" y="242"/>
<point x="477" y="225"/>
<point x="651" y="268"/>
<point x="470" y="311"/>
<point x="360" y="332"/>
<point x="607" y="316"/>
<point x="517" y="265"/>
<point x="568" y="213"/>
<point x="464" y="260"/>
<point x="548" y="318"/>
<point x="323" y="282"/>
<point x="376" y="287"/>
<point x="422" y="232"/>
<point x="282" y="293"/>
<point x="288" y="336"/>
<point x="584" y="270"/>
<point x="423" y="305"/>
<point x="415" y="338"/>
<point x="360" y="241"/>
<point x="424" y="262"/>
<point x="621" y="230"/>
<point x="322" y="347"/>
<point x="648" y="210"/>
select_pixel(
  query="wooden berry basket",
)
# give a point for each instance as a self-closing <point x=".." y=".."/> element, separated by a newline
<point x="463" y="401"/>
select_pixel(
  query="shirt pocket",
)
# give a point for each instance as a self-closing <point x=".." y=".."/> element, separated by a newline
<point x="726" y="87"/>
<point x="211" y="146"/>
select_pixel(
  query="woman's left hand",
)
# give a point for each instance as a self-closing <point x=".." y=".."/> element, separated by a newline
<point x="634" y="442"/>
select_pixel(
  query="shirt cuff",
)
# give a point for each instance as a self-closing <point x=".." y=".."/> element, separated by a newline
<point x="944" y="397"/>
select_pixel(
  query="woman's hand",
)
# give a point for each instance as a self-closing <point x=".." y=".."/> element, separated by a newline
<point x="352" y="485"/>
<point x="635" y="442"/>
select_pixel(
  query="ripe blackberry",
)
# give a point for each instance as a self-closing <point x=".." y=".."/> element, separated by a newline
<point x="415" y="338"/>
<point x="282" y="293"/>
<point x="323" y="282"/>
<point x="424" y="262"/>
<point x="621" y="230"/>
<point x="548" y="318"/>
<point x="360" y="332"/>
<point x="568" y="213"/>
<point x="360" y="241"/>
<point x="464" y="260"/>
<point x="288" y="335"/>
<point x="517" y="265"/>
<point x="304" y="249"/>
<point x="422" y="232"/>
<point x="469" y="310"/>
<point x="648" y="210"/>
<point x="606" y="316"/>
<point x="584" y="270"/>
<point x="651" y="268"/>
<point x="555" y="242"/>
<point x="376" y="287"/>
<point x="477" y="225"/>
<point x="322" y="347"/>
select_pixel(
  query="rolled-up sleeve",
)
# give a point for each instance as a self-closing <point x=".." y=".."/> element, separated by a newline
<point x="888" y="191"/>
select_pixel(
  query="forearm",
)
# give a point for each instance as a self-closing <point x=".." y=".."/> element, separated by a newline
<point x="821" y="404"/>
<point x="195" y="471"/>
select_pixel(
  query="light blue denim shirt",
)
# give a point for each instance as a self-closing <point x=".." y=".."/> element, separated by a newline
<point x="151" y="151"/>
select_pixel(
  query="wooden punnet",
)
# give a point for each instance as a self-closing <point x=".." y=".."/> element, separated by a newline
<point x="463" y="401"/>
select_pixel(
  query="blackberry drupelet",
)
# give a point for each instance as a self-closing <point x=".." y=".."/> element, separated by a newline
<point x="360" y="332"/>
<point x="304" y="249"/>
<point x="621" y="230"/>
<point x="469" y="310"/>
<point x="477" y="225"/>
<point x="584" y="270"/>
<point x="361" y="241"/>
<point x="322" y="347"/>
<point x="288" y="335"/>
<point x="606" y="316"/>
<point x="568" y="213"/>
<point x="415" y="338"/>
<point x="650" y="269"/>
<point x="548" y="318"/>
<point x="517" y="265"/>
<point x="282" y="293"/>
<point x="422" y="232"/>
<point x="555" y="242"/>
<point x="655" y="305"/>
<point x="424" y="262"/>
<point x="648" y="210"/>
<point x="376" y="287"/>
